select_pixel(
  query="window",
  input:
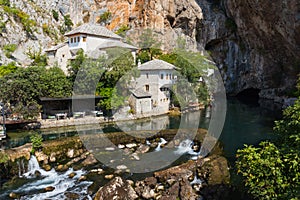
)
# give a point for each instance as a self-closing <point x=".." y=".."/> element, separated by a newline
<point x="162" y="76"/>
<point x="167" y="76"/>
<point x="147" y="75"/>
<point x="78" y="39"/>
<point x="71" y="40"/>
<point x="147" y="88"/>
<point x="63" y="55"/>
<point x="84" y="39"/>
<point x="74" y="39"/>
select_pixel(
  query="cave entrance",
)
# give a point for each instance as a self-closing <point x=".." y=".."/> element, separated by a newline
<point x="250" y="95"/>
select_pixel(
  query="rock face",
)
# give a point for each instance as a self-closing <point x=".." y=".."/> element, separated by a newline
<point x="260" y="48"/>
<point x="116" y="189"/>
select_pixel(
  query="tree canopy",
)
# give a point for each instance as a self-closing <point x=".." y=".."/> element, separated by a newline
<point x="23" y="88"/>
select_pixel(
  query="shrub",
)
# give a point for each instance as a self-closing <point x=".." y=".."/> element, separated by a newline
<point x="55" y="15"/>
<point x="105" y="17"/>
<point x="9" y="49"/>
<point x="37" y="141"/>
<point x="38" y="58"/>
<point x="5" y="3"/>
<point x="68" y="22"/>
<point x="46" y="29"/>
<point x="21" y="17"/>
<point x="122" y="30"/>
<point x="3" y="157"/>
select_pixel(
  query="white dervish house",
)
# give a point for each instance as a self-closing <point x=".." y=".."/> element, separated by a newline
<point x="93" y="39"/>
<point x="151" y="94"/>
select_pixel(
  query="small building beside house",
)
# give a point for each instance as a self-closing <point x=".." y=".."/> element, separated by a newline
<point x="141" y="102"/>
<point x="93" y="39"/>
<point x="156" y="80"/>
<point x="54" y="106"/>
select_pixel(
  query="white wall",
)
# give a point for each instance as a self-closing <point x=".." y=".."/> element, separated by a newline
<point x="62" y="57"/>
<point x="143" y="106"/>
<point x="160" y="99"/>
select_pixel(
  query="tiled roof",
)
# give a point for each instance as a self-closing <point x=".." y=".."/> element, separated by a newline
<point x="156" y="65"/>
<point x="139" y="93"/>
<point x="54" y="48"/>
<point x="93" y="29"/>
<point x="114" y="43"/>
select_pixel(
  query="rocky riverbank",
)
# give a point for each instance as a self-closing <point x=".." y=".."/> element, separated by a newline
<point x="207" y="177"/>
<point x="190" y="179"/>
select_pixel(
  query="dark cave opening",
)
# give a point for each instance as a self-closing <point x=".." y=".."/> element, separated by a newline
<point x="250" y="95"/>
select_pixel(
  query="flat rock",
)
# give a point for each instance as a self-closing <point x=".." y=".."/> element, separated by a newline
<point x="131" y="145"/>
<point x="143" y="149"/>
<point x="116" y="189"/>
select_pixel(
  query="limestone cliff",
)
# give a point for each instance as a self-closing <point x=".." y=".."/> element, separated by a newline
<point x="254" y="43"/>
<point x="263" y="50"/>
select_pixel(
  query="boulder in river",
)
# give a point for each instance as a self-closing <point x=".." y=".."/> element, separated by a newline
<point x="71" y="195"/>
<point x="90" y="160"/>
<point x="116" y="189"/>
<point x="49" y="189"/>
<point x="14" y="195"/>
<point x="109" y="176"/>
<point x="143" y="149"/>
<point x="71" y="175"/>
<point x="47" y="167"/>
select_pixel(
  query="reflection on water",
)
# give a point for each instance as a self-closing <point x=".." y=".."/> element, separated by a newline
<point x="155" y="123"/>
<point x="20" y="137"/>
<point x="245" y="124"/>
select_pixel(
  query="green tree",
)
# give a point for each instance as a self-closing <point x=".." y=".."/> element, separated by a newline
<point x="111" y="99"/>
<point x="272" y="170"/>
<point x="191" y="67"/>
<point x="150" y="47"/>
<point x="114" y="82"/>
<point x="23" y="88"/>
<point x="75" y="64"/>
<point x="54" y="83"/>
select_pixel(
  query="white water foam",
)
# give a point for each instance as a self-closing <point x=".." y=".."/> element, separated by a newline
<point x="162" y="142"/>
<point x="186" y="147"/>
<point x="60" y="181"/>
<point x="196" y="180"/>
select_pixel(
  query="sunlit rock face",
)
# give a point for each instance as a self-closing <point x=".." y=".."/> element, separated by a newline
<point x="254" y="43"/>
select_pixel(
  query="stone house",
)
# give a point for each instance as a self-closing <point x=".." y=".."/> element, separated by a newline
<point x="151" y="93"/>
<point x="93" y="39"/>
